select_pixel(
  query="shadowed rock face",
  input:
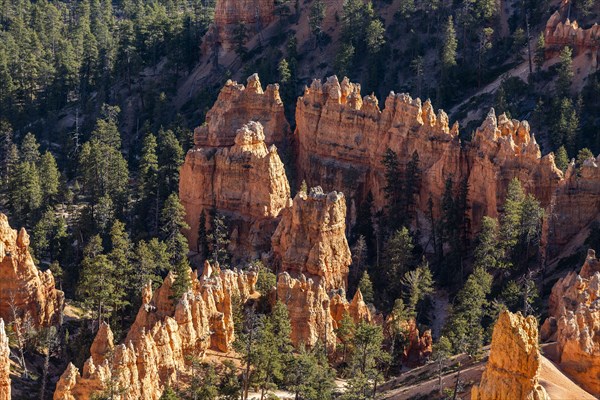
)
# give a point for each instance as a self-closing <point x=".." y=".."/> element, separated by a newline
<point x="245" y="181"/>
<point x="163" y="334"/>
<point x="311" y="238"/>
<point x="25" y="291"/>
<point x="574" y="321"/>
<point x="4" y="364"/>
<point x="513" y="368"/>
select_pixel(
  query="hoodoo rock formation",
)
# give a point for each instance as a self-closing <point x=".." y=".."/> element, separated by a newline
<point x="236" y="105"/>
<point x="574" y="309"/>
<point x="163" y="334"/>
<point x="342" y="137"/>
<point x="311" y="238"/>
<point x="314" y="316"/>
<point x="513" y="368"/>
<point x="25" y="291"/>
<point x="246" y="182"/>
<point x="559" y="34"/>
<point x="4" y="364"/>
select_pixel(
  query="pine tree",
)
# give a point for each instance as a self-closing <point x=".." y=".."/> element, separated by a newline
<point x="49" y="178"/>
<point x="121" y="256"/>
<point x="148" y="187"/>
<point x="25" y="193"/>
<point x="30" y="149"/>
<point x="488" y="253"/>
<point x="345" y="334"/>
<point x="398" y="259"/>
<point x="172" y="222"/>
<point x="218" y="240"/>
<point x="170" y="158"/>
<point x="562" y="159"/>
<point x="450" y="45"/>
<point x="464" y="328"/>
<point x="151" y="260"/>
<point x="510" y="219"/>
<point x="98" y="282"/>
<point x="366" y="288"/>
<point x="418" y="284"/>
<point x="229" y="387"/>
<point x="540" y="52"/>
<point x="565" y="72"/>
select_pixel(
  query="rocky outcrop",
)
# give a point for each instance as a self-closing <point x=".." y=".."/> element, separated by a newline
<point x="513" y="367"/>
<point x="25" y="291"/>
<point x="419" y="346"/>
<point x="230" y="15"/>
<point x="559" y="34"/>
<point x="245" y="181"/>
<point x="155" y="350"/>
<point x="574" y="322"/>
<point x="236" y="105"/>
<point x="342" y="136"/>
<point x="311" y="238"/>
<point x="4" y="364"/>
<point x="315" y="314"/>
<point x="575" y="205"/>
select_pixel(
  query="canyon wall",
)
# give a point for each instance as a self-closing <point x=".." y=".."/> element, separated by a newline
<point x="25" y="291"/>
<point x="574" y="323"/>
<point x="154" y="353"/>
<point x="341" y="138"/>
<point x="4" y="364"/>
<point x="246" y="182"/>
<point x="311" y="238"/>
<point x="513" y="367"/>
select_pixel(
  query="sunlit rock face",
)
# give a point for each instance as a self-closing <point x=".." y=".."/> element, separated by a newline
<point x="574" y="322"/>
<point x="341" y="137"/>
<point x="4" y="364"/>
<point x="25" y="291"/>
<point x="513" y="368"/>
<point x="311" y="238"/>
<point x="245" y="181"/>
<point x="156" y="349"/>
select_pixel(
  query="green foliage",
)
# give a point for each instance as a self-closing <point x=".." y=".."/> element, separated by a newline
<point x="25" y="193"/>
<point x="284" y="71"/>
<point x="540" y="51"/>
<point x="98" y="287"/>
<point x="450" y="45"/>
<point x="172" y="222"/>
<point x="30" y="149"/>
<point x="309" y="376"/>
<point x="316" y="16"/>
<point x="218" y="240"/>
<point x="343" y="59"/>
<point x="49" y="178"/>
<point x="397" y="260"/>
<point x="345" y="334"/>
<point x="401" y="188"/>
<point x="418" y="284"/>
<point x="565" y="125"/>
<point x="561" y="159"/>
<point x="464" y="329"/>
<point x="169" y="394"/>
<point x="229" y="387"/>
<point x="366" y="288"/>
<point x="565" y="72"/>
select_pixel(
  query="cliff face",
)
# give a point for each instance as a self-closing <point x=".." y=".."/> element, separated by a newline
<point x="314" y="315"/>
<point x="245" y="181"/>
<point x="341" y="138"/>
<point x="513" y="368"/>
<point x="236" y="105"/>
<point x="311" y="238"/>
<point x="4" y="364"/>
<point x="155" y="349"/>
<point x="575" y="321"/>
<point x="30" y="292"/>
<point x="253" y="15"/>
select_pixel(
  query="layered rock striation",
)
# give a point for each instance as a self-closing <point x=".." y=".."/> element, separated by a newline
<point x="342" y="136"/>
<point x="154" y="353"/>
<point x="513" y="367"/>
<point x="236" y="105"/>
<point x="245" y="181"/>
<point x="314" y="313"/>
<point x="4" y="364"/>
<point x="311" y="238"/>
<point x="574" y="322"/>
<point x="25" y="291"/>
